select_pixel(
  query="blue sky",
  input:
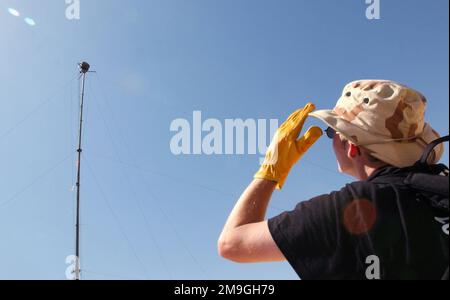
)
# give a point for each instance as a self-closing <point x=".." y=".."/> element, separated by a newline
<point x="147" y="214"/>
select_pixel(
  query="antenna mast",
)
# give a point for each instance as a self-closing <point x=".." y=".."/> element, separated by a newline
<point x="84" y="68"/>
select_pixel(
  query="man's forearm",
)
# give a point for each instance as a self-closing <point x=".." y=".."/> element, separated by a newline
<point x="252" y="205"/>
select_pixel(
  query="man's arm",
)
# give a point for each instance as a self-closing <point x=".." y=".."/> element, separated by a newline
<point x="246" y="237"/>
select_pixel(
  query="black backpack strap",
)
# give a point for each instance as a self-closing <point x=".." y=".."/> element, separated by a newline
<point x="430" y="148"/>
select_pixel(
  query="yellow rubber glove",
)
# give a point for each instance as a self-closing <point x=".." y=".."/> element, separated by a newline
<point x="286" y="149"/>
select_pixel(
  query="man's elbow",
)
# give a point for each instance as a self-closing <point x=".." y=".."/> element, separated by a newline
<point x="229" y="250"/>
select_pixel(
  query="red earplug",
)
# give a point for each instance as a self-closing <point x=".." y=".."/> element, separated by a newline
<point x="354" y="151"/>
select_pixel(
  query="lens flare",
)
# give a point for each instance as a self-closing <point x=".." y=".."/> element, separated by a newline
<point x="360" y="216"/>
<point x="30" y="21"/>
<point x="13" y="12"/>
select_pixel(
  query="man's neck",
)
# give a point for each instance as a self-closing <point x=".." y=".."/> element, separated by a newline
<point x="365" y="171"/>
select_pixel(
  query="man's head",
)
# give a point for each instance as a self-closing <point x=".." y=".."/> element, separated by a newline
<point x="379" y="122"/>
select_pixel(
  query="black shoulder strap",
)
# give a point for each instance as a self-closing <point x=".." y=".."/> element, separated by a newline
<point x="430" y="148"/>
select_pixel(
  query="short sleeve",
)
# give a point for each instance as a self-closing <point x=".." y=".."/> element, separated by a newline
<point x="311" y="236"/>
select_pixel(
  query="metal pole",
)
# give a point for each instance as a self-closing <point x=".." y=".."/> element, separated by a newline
<point x="84" y="68"/>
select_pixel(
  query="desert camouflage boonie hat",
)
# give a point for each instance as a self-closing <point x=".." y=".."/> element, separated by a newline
<point x="386" y="118"/>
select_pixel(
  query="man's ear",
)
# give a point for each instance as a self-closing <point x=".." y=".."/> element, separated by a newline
<point x="353" y="150"/>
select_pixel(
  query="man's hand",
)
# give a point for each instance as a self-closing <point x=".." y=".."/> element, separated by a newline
<point x="286" y="149"/>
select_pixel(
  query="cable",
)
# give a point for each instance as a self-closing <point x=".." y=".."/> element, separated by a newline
<point x="135" y="198"/>
<point x="176" y="231"/>
<point x="163" y="175"/>
<point x="163" y="213"/>
<point x="32" y="112"/>
<point x="320" y="166"/>
<point x="34" y="181"/>
<point x="114" y="215"/>
<point x="178" y="181"/>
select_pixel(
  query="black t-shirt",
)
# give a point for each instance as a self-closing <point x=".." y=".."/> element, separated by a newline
<point x="366" y="230"/>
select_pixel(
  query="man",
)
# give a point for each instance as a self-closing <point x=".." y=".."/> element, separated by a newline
<point x="371" y="229"/>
